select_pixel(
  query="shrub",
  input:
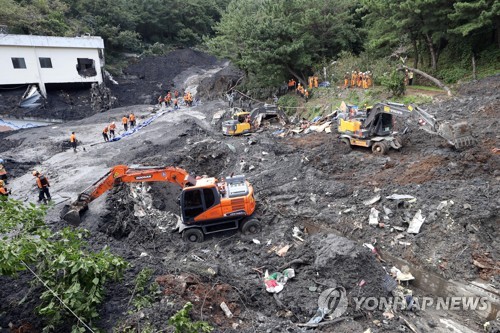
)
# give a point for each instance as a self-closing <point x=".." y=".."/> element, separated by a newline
<point x="71" y="273"/>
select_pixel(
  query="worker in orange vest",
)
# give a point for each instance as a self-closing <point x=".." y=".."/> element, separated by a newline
<point x="112" y="128"/>
<point x="4" y="192"/>
<point x="299" y="88"/>
<point x="105" y="134"/>
<point x="43" y="185"/>
<point x="360" y="78"/>
<point x="3" y="173"/>
<point x="353" y="79"/>
<point x="315" y="80"/>
<point x="310" y="82"/>
<point x="306" y="95"/>
<point x="132" y="120"/>
<point x="168" y="99"/>
<point x="346" y="80"/>
<point x="125" y="123"/>
<point x="72" y="140"/>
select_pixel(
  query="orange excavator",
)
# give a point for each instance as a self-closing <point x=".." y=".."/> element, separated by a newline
<point x="207" y="205"/>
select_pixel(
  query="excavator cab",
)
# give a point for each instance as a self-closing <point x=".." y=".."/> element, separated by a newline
<point x="195" y="201"/>
<point x="382" y="125"/>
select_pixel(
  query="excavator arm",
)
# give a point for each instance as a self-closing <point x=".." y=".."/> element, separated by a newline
<point x="124" y="174"/>
<point x="458" y="135"/>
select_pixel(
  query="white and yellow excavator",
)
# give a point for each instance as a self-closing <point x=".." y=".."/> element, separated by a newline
<point x="375" y="128"/>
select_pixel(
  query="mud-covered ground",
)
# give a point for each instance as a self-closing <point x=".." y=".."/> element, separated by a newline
<point x="308" y="181"/>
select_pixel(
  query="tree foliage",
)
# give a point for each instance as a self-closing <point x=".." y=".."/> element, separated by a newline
<point x="125" y="25"/>
<point x="274" y="39"/>
<point x="60" y="259"/>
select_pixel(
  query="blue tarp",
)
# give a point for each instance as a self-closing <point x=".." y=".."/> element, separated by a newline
<point x="14" y="126"/>
<point x="141" y="125"/>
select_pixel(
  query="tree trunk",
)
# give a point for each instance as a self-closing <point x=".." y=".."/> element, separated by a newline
<point x="432" y="51"/>
<point x="429" y="77"/>
<point x="474" y="67"/>
<point x="415" y="50"/>
<point x="497" y="32"/>
<point x="296" y="75"/>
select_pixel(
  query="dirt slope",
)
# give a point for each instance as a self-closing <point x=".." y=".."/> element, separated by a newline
<point x="307" y="182"/>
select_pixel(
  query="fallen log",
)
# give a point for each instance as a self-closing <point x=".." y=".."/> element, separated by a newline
<point x="429" y="77"/>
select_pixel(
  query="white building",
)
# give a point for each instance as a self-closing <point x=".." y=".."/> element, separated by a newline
<point x="43" y="60"/>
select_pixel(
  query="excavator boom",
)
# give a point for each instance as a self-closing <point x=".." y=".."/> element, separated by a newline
<point x="458" y="135"/>
<point x="124" y="174"/>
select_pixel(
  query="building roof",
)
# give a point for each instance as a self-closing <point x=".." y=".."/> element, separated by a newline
<point x="86" y="42"/>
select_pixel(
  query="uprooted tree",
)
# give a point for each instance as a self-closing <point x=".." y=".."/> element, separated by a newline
<point x="73" y="276"/>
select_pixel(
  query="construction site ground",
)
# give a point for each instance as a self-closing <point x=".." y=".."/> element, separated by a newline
<point x="309" y="181"/>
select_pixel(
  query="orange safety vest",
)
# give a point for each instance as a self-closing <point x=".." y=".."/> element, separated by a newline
<point x="112" y="127"/>
<point x="72" y="138"/>
<point x="124" y="120"/>
<point x="105" y="130"/>
<point x="3" y="191"/>
<point x="132" y="117"/>
<point x="42" y="181"/>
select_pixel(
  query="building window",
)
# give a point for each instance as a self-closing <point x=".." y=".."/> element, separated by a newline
<point x="45" y="62"/>
<point x="18" y="63"/>
<point x="86" y="67"/>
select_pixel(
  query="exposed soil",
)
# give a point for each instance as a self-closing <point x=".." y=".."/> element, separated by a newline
<point x="309" y="181"/>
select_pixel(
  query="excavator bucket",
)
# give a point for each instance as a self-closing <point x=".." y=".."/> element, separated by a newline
<point x="72" y="213"/>
<point x="459" y="135"/>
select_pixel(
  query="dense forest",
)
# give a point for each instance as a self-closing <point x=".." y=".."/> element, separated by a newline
<point x="272" y="40"/>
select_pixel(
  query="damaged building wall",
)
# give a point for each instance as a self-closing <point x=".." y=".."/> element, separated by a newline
<point x="41" y="60"/>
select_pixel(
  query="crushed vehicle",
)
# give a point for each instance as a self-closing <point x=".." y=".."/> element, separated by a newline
<point x="207" y="205"/>
<point x="374" y="128"/>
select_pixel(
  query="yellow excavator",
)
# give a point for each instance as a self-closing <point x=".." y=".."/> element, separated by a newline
<point x="207" y="205"/>
<point x="246" y="122"/>
<point x="375" y="128"/>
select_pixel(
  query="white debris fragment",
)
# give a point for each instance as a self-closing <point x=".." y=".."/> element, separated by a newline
<point x="401" y="197"/>
<point x="256" y="241"/>
<point x="370" y="246"/>
<point x="226" y="310"/>
<point x="444" y="204"/>
<point x="372" y="200"/>
<point x="373" y="219"/>
<point x="416" y="223"/>
<point x="251" y="167"/>
<point x="265" y="153"/>
<point x="143" y="254"/>
<point x="313" y="198"/>
<point x="387" y="211"/>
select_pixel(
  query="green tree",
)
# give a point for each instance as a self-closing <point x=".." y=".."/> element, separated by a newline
<point x="392" y="23"/>
<point x="273" y="40"/>
<point x="476" y="17"/>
